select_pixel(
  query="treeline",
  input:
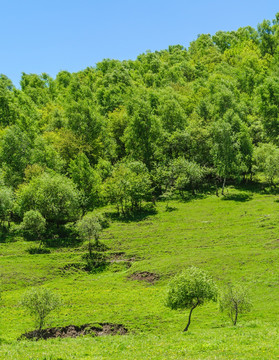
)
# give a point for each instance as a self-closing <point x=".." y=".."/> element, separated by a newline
<point x="125" y="132"/>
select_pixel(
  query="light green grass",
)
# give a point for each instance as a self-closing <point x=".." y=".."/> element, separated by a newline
<point x="233" y="240"/>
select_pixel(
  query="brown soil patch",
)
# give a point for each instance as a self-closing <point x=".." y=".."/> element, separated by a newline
<point x="145" y="276"/>
<point x="120" y="257"/>
<point x="74" y="331"/>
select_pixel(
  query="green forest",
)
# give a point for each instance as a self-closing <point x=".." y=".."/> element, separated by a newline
<point x="123" y="132"/>
<point x="107" y="171"/>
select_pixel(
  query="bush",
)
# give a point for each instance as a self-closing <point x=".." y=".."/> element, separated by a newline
<point x="33" y="224"/>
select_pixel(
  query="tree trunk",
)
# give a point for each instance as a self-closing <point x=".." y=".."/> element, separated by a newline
<point x="223" y="186"/>
<point x="190" y="314"/>
<point x="97" y="241"/>
<point x="236" y="314"/>
<point x="90" y="248"/>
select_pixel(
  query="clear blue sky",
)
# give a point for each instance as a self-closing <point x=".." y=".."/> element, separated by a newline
<point x="48" y="36"/>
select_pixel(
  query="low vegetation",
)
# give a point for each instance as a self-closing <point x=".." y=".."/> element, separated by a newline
<point x="220" y="240"/>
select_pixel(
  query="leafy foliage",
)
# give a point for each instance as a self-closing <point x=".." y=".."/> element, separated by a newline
<point x="6" y="204"/>
<point x="89" y="227"/>
<point x="235" y="300"/>
<point x="33" y="224"/>
<point x="190" y="289"/>
<point x="128" y="186"/>
<point x="40" y="302"/>
<point x="54" y="196"/>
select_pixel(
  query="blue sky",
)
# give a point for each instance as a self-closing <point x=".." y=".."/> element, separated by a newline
<point x="49" y="36"/>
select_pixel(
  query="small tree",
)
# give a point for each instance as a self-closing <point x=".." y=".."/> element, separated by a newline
<point x="235" y="300"/>
<point x="190" y="289"/>
<point x="34" y="224"/>
<point x="89" y="228"/>
<point x="40" y="302"/>
<point x="6" y="204"/>
<point x="266" y="159"/>
<point x="187" y="175"/>
<point x="224" y="150"/>
<point x="128" y="186"/>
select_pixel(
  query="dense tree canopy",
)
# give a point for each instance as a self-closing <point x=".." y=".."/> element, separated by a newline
<point x="214" y="105"/>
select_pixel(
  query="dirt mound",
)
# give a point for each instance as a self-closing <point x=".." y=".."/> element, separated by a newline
<point x="75" y="331"/>
<point x="145" y="276"/>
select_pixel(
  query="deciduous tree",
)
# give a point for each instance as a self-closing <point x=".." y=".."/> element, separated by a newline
<point x="190" y="289"/>
<point x="235" y="300"/>
<point x="40" y="302"/>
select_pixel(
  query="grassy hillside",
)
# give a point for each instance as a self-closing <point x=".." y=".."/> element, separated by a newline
<point x="234" y="238"/>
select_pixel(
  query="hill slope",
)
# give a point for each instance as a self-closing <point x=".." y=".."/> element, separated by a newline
<point x="234" y="239"/>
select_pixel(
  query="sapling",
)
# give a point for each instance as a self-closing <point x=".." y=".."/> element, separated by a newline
<point x="235" y="300"/>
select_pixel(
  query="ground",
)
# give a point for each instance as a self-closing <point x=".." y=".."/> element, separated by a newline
<point x="235" y="238"/>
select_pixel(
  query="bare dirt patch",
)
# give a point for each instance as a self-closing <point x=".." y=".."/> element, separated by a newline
<point x="145" y="276"/>
<point x="120" y="257"/>
<point x="74" y="331"/>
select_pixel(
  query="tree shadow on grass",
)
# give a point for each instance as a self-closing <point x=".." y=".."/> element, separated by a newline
<point x="241" y="197"/>
<point x="65" y="242"/>
<point x="257" y="187"/>
<point x="190" y="197"/>
<point x="61" y="237"/>
<point x="170" y="208"/>
<point x="133" y="217"/>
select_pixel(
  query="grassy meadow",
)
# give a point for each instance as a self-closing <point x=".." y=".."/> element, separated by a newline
<point x="234" y="238"/>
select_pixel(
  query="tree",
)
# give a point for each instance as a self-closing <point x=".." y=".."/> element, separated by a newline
<point x="266" y="159"/>
<point x="14" y="154"/>
<point x="224" y="150"/>
<point x="143" y="134"/>
<point x="40" y="302"/>
<point x="45" y="155"/>
<point x="128" y="186"/>
<point x="34" y="224"/>
<point x="6" y="204"/>
<point x="235" y="300"/>
<point x="86" y="180"/>
<point x="187" y="175"/>
<point x="268" y="102"/>
<point x="89" y="227"/>
<point x="190" y="289"/>
<point x="54" y="196"/>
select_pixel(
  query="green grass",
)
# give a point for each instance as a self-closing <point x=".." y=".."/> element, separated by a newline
<point x="235" y="240"/>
